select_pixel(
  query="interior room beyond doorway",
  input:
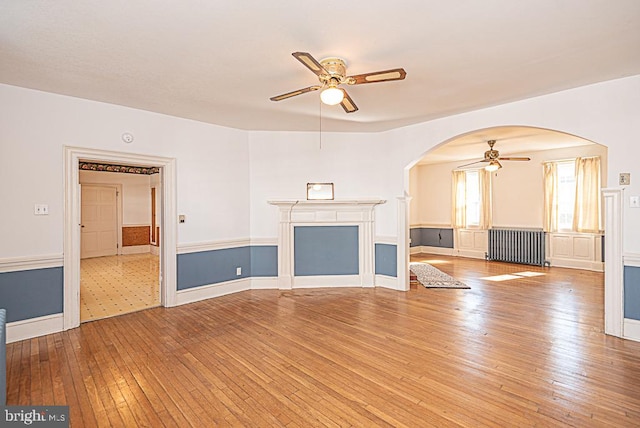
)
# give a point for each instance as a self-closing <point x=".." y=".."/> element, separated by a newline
<point x="119" y="266"/>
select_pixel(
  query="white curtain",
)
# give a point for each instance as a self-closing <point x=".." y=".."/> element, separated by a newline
<point x="550" y="175"/>
<point x="485" y="198"/>
<point x="459" y="200"/>
<point x="586" y="215"/>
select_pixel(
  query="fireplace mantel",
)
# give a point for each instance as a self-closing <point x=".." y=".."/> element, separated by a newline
<point x="305" y="213"/>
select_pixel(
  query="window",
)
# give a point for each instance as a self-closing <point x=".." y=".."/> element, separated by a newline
<point x="471" y="199"/>
<point x="572" y="195"/>
<point x="566" y="194"/>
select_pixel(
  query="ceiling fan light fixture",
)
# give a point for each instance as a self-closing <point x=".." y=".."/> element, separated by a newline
<point x="332" y="96"/>
<point x="494" y="165"/>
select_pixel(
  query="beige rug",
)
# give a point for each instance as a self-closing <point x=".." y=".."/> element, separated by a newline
<point x="431" y="277"/>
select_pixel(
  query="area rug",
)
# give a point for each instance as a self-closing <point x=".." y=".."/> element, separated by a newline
<point x="431" y="277"/>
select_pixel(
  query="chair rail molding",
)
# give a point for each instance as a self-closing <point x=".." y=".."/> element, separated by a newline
<point x="326" y="213"/>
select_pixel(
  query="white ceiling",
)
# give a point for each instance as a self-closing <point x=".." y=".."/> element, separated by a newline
<point x="220" y="61"/>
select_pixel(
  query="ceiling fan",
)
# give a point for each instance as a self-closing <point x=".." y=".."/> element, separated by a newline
<point x="493" y="157"/>
<point x="332" y="72"/>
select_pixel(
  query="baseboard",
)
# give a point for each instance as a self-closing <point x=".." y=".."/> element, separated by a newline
<point x="385" y="281"/>
<point x="631" y="329"/>
<point x="264" y="283"/>
<point x="577" y="264"/>
<point x="471" y="254"/>
<point x="327" y="281"/>
<point x="204" y="292"/>
<point x="155" y="250"/>
<point x="432" y="250"/>
<point x="12" y="264"/>
<point x="136" y="249"/>
<point x="34" y="327"/>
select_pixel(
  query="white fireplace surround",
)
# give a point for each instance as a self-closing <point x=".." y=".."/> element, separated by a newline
<point x="326" y="213"/>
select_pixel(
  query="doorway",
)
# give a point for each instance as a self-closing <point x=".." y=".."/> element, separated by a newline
<point x="72" y="221"/>
<point x="118" y="271"/>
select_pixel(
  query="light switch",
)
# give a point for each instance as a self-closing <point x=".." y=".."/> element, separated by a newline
<point x="634" y="201"/>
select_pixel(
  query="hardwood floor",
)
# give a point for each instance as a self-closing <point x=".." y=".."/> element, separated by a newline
<point x="527" y="351"/>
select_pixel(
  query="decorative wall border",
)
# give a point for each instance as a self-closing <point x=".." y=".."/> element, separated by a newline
<point x="13" y="264"/>
<point x="125" y="169"/>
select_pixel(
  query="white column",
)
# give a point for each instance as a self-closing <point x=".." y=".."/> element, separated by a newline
<point x="613" y="265"/>
<point x="285" y="249"/>
<point x="402" y="249"/>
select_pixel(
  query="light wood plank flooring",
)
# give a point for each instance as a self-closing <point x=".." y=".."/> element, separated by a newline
<point x="527" y="351"/>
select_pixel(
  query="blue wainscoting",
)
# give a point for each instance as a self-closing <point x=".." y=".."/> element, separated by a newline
<point x="31" y="293"/>
<point x="387" y="260"/>
<point x="215" y="266"/>
<point x="632" y="292"/>
<point x="326" y="250"/>
<point x="431" y="237"/>
<point x="264" y="260"/>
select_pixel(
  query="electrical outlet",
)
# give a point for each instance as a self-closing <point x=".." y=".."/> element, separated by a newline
<point x="634" y="201"/>
<point x="182" y="218"/>
<point x="625" y="178"/>
<point x="41" y="209"/>
<point x="238" y="271"/>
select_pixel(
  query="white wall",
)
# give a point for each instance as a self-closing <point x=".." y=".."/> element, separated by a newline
<point x="212" y="166"/>
<point x="215" y="165"/>
<point x="517" y="188"/>
<point x="136" y="194"/>
<point x="282" y="163"/>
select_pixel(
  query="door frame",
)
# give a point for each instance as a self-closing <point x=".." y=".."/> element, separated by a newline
<point x="71" y="244"/>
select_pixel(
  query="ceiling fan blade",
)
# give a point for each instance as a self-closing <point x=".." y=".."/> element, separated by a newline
<point x="378" y="76"/>
<point x="515" y="159"/>
<point x="310" y="62"/>
<point x="473" y="163"/>
<point x="347" y="103"/>
<point x="294" y="93"/>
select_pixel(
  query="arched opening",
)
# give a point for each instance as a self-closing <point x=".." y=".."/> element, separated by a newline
<point x="516" y="192"/>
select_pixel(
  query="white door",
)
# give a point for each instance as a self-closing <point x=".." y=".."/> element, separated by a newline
<point x="99" y="222"/>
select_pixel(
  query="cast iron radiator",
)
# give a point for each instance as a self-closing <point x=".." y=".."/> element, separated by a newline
<point x="525" y="246"/>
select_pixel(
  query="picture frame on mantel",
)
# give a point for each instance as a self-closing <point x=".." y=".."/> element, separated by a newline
<point x="319" y="191"/>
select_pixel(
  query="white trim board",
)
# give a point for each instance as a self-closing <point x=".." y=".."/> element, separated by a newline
<point x="433" y="250"/>
<point x="213" y="245"/>
<point x="34" y="327"/>
<point x="390" y="282"/>
<point x="209" y="291"/>
<point x="576" y="264"/>
<point x="387" y="240"/>
<point x="14" y="264"/>
<point x="631" y="259"/>
<point x="631" y="329"/>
